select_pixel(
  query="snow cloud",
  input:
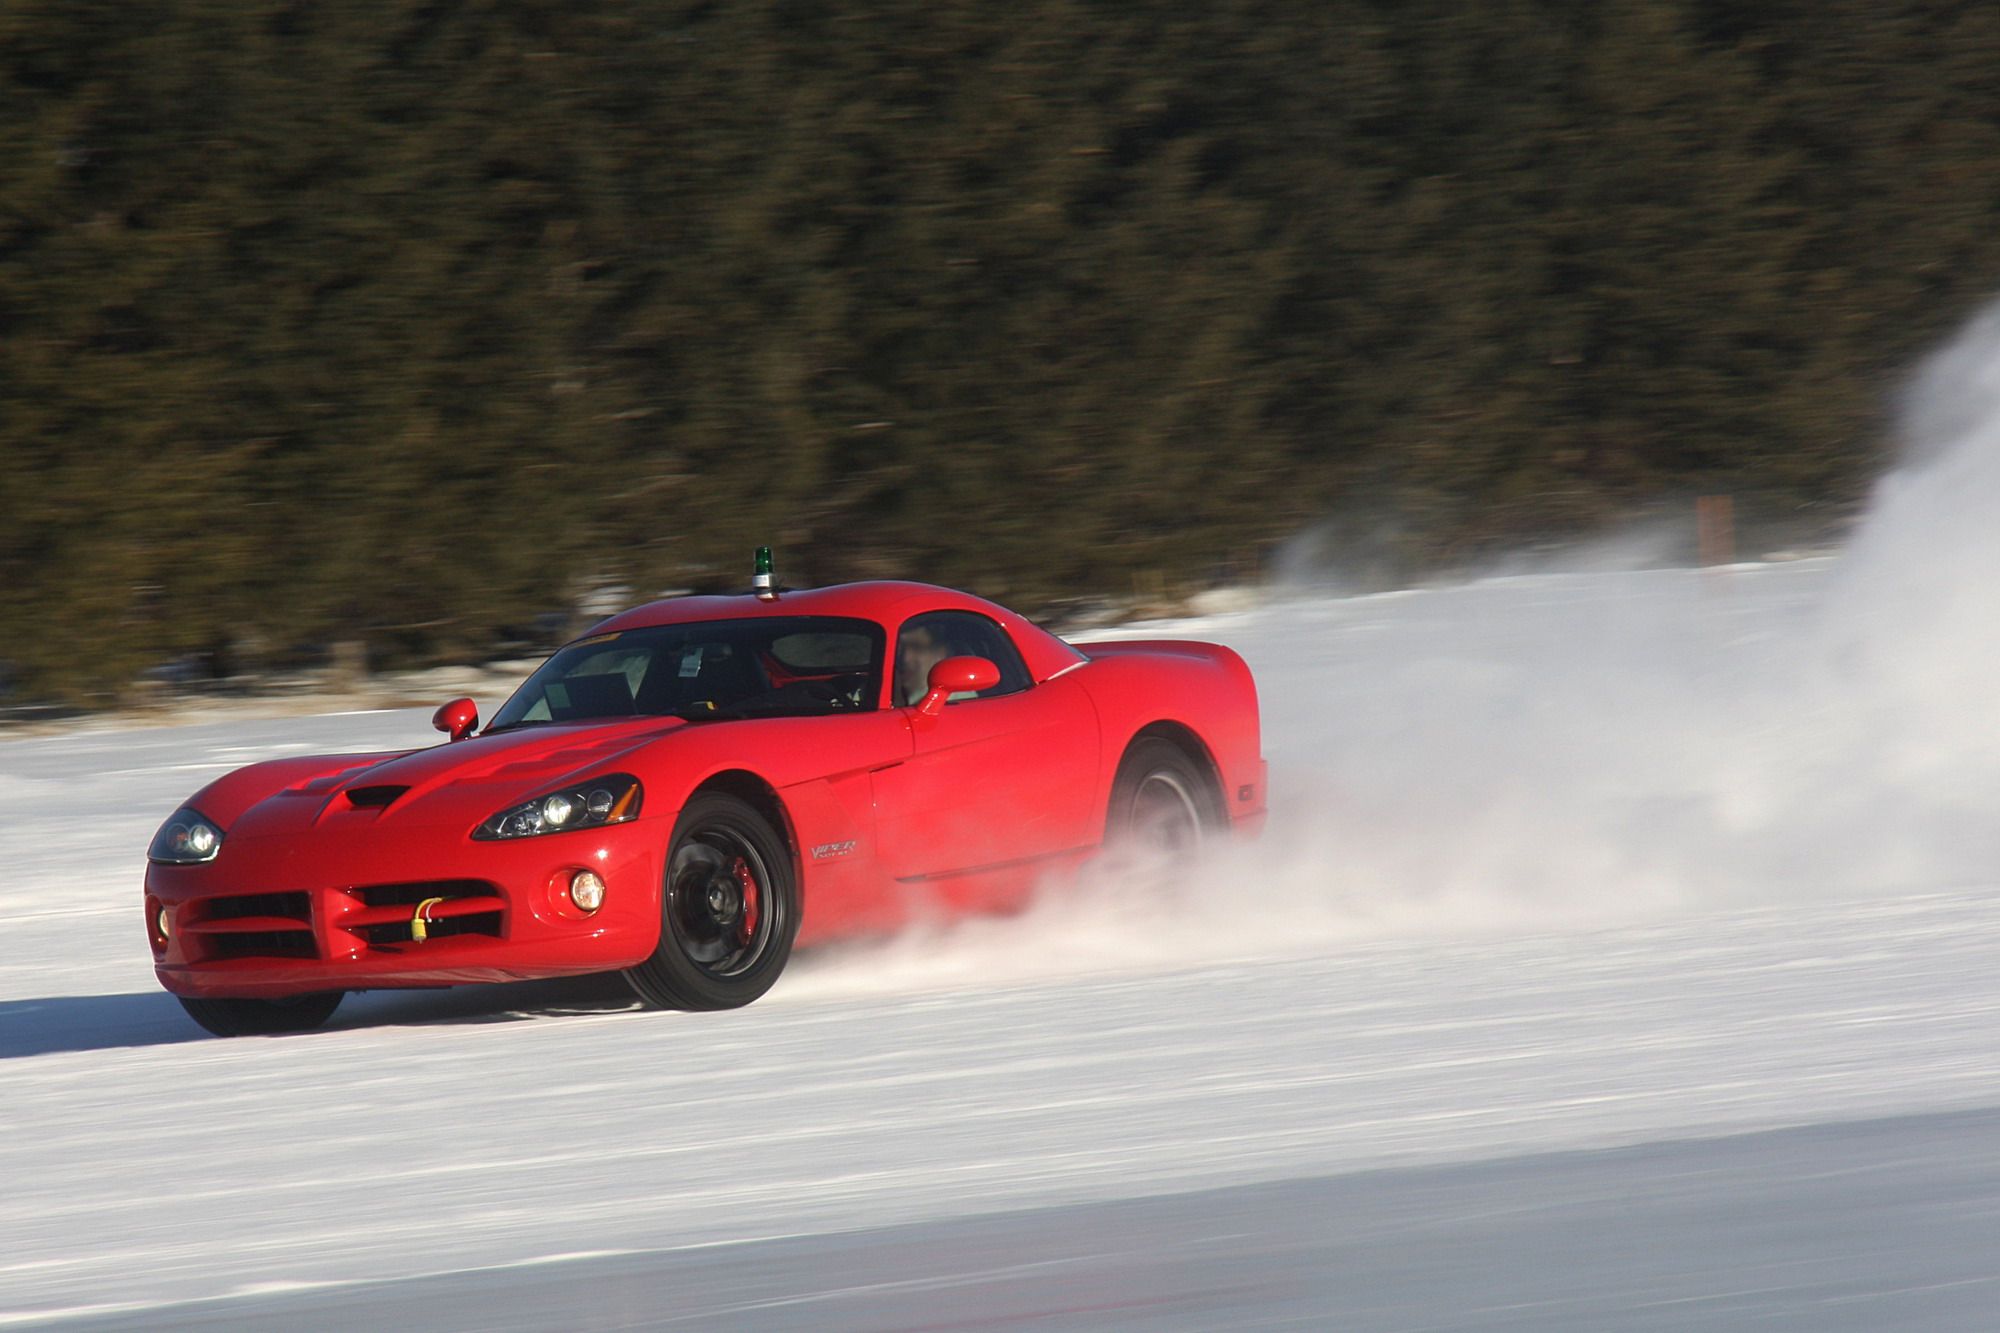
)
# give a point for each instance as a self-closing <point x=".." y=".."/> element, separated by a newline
<point x="1561" y="750"/>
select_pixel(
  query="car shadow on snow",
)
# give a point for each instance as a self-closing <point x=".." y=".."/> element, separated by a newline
<point x="507" y="1002"/>
<point x="48" y="1025"/>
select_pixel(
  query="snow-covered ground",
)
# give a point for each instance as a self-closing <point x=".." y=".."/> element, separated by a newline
<point x="1621" y="955"/>
<point x="1562" y="862"/>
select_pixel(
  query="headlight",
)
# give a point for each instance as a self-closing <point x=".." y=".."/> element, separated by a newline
<point x="593" y="804"/>
<point x="187" y="838"/>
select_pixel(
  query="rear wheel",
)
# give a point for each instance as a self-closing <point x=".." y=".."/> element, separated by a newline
<point x="259" y="1018"/>
<point x="729" y="910"/>
<point x="1162" y="803"/>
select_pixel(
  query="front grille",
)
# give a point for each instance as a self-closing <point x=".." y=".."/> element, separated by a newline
<point x="409" y="895"/>
<point x="264" y="944"/>
<point x="252" y="925"/>
<point x="385" y="915"/>
<point x="296" y="906"/>
<point x="400" y="932"/>
<point x="356" y="921"/>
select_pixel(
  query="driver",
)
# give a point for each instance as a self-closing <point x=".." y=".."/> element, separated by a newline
<point x="918" y="649"/>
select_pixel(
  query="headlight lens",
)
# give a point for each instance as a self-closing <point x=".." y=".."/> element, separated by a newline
<point x="187" y="838"/>
<point x="593" y="804"/>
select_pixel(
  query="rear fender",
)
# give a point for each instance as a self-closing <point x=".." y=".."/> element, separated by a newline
<point x="1199" y="689"/>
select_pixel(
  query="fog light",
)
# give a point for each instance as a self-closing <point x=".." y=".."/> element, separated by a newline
<point x="586" y="890"/>
<point x="166" y="925"/>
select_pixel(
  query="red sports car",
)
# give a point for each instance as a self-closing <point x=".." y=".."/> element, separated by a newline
<point x="689" y="790"/>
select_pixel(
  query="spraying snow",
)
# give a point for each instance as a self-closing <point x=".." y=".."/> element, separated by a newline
<point x="1542" y="751"/>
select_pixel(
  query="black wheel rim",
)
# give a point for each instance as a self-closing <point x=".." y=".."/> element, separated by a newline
<point x="1166" y="814"/>
<point x="720" y="907"/>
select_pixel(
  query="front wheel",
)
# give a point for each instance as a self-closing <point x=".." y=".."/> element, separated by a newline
<point x="729" y="910"/>
<point x="262" y="1018"/>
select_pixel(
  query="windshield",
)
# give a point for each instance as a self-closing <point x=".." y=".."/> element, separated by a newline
<point x="796" y="666"/>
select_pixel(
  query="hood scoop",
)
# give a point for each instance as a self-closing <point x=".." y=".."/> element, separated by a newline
<point x="373" y="798"/>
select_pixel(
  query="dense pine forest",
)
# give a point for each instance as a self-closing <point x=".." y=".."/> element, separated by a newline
<point x="415" y="324"/>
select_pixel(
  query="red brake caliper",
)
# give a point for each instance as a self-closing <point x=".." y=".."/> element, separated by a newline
<point x="746" y="923"/>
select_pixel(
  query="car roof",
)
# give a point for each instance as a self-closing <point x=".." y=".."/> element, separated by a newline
<point x="887" y="602"/>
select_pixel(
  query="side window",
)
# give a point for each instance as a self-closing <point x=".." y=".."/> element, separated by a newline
<point x="928" y="639"/>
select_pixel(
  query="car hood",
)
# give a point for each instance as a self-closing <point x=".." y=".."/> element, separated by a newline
<point x="456" y="783"/>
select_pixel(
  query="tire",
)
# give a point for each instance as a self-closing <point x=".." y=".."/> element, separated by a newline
<point x="1162" y="803"/>
<point x="262" y="1018"/>
<point x="729" y="910"/>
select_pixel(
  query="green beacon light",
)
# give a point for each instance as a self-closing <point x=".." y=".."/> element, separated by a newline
<point x="761" y="582"/>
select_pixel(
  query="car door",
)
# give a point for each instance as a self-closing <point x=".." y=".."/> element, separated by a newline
<point x="997" y="779"/>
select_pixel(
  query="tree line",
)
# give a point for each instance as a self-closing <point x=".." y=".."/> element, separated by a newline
<point x="418" y="324"/>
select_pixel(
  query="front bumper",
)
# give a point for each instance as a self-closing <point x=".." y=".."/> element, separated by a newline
<point x="345" y="910"/>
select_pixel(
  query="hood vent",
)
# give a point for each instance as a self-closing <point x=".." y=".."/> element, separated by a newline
<point x="373" y="798"/>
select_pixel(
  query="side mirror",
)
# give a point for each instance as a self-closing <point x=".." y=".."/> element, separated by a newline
<point x="457" y="718"/>
<point x="956" y="675"/>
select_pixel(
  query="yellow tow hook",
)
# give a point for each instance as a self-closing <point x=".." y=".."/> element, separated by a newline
<point x="420" y="929"/>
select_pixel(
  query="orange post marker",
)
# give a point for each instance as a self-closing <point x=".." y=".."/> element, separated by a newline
<point x="1715" y="529"/>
